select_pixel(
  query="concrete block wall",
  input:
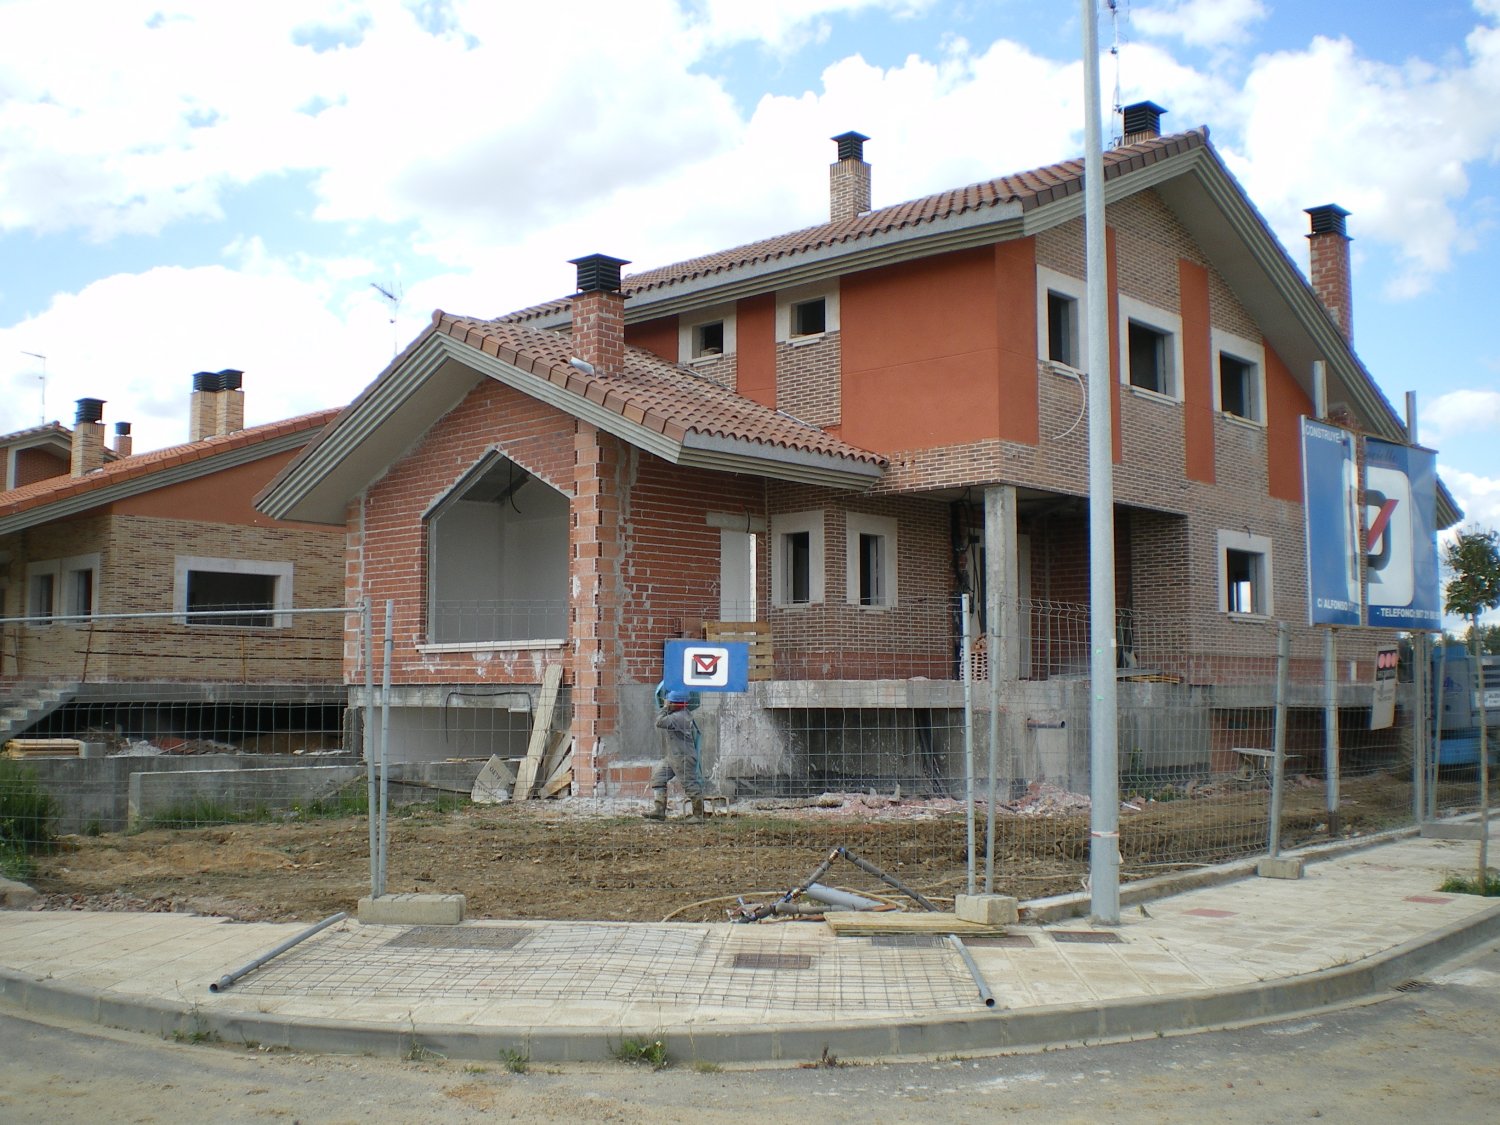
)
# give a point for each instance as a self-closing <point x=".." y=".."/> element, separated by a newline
<point x="271" y="788"/>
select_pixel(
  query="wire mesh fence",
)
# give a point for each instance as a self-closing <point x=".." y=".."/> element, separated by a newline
<point x="910" y="738"/>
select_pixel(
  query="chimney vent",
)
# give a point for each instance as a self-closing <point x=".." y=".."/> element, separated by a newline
<point x="88" y="437"/>
<point x="598" y="273"/>
<point x="1142" y="121"/>
<point x="218" y="404"/>
<point x="848" y="179"/>
<point x="123" y="441"/>
<point x="1328" y="264"/>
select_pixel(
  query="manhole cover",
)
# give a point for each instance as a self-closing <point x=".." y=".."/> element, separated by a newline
<point x="1088" y="937"/>
<point x="772" y="961"/>
<point x="459" y="937"/>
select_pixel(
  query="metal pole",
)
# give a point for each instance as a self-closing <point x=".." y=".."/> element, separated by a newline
<point x="1437" y="724"/>
<point x="1278" y="762"/>
<point x="367" y="627"/>
<point x="1104" y="765"/>
<point x="385" y="741"/>
<point x="1484" y="755"/>
<point x="250" y="966"/>
<point x="966" y="669"/>
<point x="1331" y="730"/>
<point x="1420" y="667"/>
<point x="985" y="995"/>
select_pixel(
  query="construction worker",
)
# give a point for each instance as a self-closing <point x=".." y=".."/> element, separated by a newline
<point x="682" y="742"/>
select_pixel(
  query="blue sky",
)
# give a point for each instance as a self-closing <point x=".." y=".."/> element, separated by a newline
<point x="189" y="186"/>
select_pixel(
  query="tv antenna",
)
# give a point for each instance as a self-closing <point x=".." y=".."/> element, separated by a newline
<point x="393" y="298"/>
<point x="42" y="378"/>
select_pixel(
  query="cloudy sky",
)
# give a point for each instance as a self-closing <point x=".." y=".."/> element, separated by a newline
<point x="190" y="185"/>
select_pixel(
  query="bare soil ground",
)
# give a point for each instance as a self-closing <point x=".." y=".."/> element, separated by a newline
<point x="579" y="859"/>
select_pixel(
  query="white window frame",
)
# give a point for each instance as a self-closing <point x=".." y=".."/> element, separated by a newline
<point x="1259" y="545"/>
<point x="1050" y="281"/>
<point x="856" y="525"/>
<point x="283" y="572"/>
<point x="787" y="299"/>
<point x="1158" y="320"/>
<point x="687" y="333"/>
<point x="782" y="526"/>
<point x="1247" y="352"/>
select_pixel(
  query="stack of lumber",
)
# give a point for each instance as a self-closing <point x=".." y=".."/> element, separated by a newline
<point x="44" y="748"/>
<point x="874" y="923"/>
<point x="547" y="768"/>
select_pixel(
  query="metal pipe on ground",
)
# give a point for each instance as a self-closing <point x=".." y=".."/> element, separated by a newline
<point x="985" y="994"/>
<point x="844" y="900"/>
<point x="868" y="867"/>
<point x="250" y="966"/>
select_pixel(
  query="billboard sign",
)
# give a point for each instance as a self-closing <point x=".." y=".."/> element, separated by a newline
<point x="1401" y="559"/>
<point x="1330" y="499"/>
<point x="707" y="666"/>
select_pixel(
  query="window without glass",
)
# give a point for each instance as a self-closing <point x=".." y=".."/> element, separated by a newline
<point x="797" y="546"/>
<point x="1150" y="358"/>
<point x="41" y="591"/>
<point x="1238" y="387"/>
<point x="1242" y="581"/>
<point x="810" y="318"/>
<point x="78" y="599"/>
<point x="797" y="558"/>
<point x="211" y="593"/>
<point x="708" y="339"/>
<point x="497" y="566"/>
<point x="1062" y="328"/>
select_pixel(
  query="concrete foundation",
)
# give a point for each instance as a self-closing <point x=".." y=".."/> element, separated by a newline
<point x="154" y="794"/>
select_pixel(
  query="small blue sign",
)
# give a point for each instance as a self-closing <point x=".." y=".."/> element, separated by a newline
<point x="707" y="666"/>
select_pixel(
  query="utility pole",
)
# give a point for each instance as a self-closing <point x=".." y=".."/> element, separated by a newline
<point x="1104" y="763"/>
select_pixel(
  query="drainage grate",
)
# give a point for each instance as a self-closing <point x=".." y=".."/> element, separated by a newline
<point x="1090" y="937"/>
<point x="907" y="941"/>
<point x="460" y="937"/>
<point x="1413" y="986"/>
<point x="1008" y="941"/>
<point x="772" y="961"/>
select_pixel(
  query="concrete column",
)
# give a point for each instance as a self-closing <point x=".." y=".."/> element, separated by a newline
<point x="1002" y="583"/>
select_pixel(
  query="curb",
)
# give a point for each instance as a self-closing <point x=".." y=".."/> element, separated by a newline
<point x="982" y="1032"/>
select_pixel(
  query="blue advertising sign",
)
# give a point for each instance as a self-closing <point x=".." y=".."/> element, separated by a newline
<point x="1401" y="555"/>
<point x="707" y="666"/>
<point x="1330" y="498"/>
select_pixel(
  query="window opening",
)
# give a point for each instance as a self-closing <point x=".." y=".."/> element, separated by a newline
<point x="1062" y="328"/>
<point x="871" y="570"/>
<point x="799" y="567"/>
<point x="1149" y="368"/>
<point x="810" y="318"/>
<point x="40" y="595"/>
<point x="1237" y="387"/>
<point x="1242" y="579"/>
<point x="708" y="339"/>
<point x="80" y="600"/>
<point x="212" y="592"/>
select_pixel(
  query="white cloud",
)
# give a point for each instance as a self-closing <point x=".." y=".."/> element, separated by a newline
<point x="1201" y="23"/>
<point x="1478" y="496"/>
<point x="1461" y="411"/>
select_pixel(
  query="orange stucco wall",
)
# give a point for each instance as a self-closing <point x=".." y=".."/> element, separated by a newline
<point x="755" y="343"/>
<point x="1285" y="404"/>
<point x="223" y="497"/>
<point x="941" y="351"/>
<point x="658" y="336"/>
<point x="1197" y="373"/>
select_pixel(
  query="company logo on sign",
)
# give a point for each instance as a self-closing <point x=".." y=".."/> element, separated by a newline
<point x="1389" y="544"/>
<point x="705" y="667"/>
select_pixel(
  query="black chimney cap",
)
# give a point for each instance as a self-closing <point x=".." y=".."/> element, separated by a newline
<point x="1143" y="117"/>
<point x="122" y="429"/>
<point x="851" y="145"/>
<point x="1327" y="219"/>
<point x="598" y="273"/>
<point x="90" y="410"/>
<point x="227" y="380"/>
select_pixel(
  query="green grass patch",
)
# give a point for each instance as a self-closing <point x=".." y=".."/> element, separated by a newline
<point x="515" y="1061"/>
<point x="1469" y="885"/>
<point x="27" y="815"/>
<point x="642" y="1052"/>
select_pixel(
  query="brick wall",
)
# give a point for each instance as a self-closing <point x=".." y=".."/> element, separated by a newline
<point x="808" y="380"/>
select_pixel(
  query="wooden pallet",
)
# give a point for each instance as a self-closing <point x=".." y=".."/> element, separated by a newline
<point x="877" y="923"/>
<point x="44" y="748"/>
<point x="757" y="634"/>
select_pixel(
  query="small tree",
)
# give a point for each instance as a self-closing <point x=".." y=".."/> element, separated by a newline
<point x="1473" y="560"/>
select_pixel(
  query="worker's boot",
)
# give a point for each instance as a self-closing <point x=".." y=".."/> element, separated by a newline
<point x="658" y="809"/>
<point x="698" y="813"/>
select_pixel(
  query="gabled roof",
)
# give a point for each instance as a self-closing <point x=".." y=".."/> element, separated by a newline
<point x="671" y="411"/>
<point x="57" y="497"/>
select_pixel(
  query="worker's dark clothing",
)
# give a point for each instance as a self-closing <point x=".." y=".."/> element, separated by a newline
<point x="680" y="760"/>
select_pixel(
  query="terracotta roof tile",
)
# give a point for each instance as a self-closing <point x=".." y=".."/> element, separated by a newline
<point x="1029" y="189"/>
<point x="44" y="492"/>
<point x="665" y="397"/>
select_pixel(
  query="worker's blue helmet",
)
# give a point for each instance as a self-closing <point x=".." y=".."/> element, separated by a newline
<point x="679" y="697"/>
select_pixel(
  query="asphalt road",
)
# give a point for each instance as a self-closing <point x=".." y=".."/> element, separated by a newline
<point x="1431" y="1054"/>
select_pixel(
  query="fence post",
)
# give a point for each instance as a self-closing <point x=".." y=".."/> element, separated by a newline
<point x="367" y="643"/>
<point x="1331" y="730"/>
<point x="385" y="732"/>
<point x="966" y="669"/>
<point x="1278" y="744"/>
<point x="1419" y="695"/>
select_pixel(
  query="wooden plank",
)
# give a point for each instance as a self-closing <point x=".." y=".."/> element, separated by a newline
<point x="874" y="923"/>
<point x="559" y="784"/>
<point x="757" y="634"/>
<point x="44" y="748"/>
<point x="540" y="728"/>
<point x="559" y="754"/>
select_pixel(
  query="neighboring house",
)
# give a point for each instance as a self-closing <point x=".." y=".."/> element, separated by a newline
<point x="170" y="532"/>
<point x="835" y="432"/>
<point x="46" y="451"/>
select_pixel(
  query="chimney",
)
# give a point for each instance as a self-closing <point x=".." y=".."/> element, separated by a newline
<point x="599" y="313"/>
<point x="123" y="442"/>
<point x="88" y="436"/>
<point x="218" y="405"/>
<point x="1328" y="259"/>
<point x="1142" y="122"/>
<point x="849" y="179"/>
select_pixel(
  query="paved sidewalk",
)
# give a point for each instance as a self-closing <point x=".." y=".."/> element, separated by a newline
<point x="1358" y="924"/>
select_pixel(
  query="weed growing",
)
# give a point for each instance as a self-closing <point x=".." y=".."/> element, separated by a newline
<point x="642" y="1052"/>
<point x="1469" y="884"/>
